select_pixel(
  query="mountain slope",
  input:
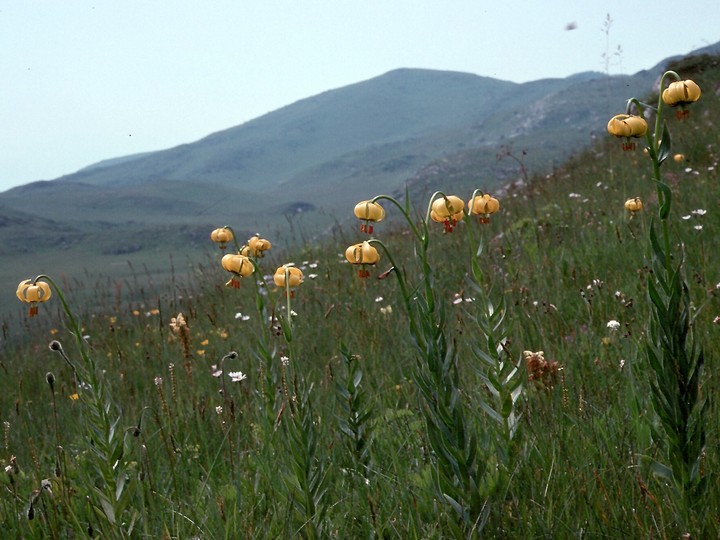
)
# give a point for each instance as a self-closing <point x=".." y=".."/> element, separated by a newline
<point x="343" y="143"/>
<point x="437" y="129"/>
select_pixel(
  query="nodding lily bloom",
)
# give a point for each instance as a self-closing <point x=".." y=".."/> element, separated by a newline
<point x="448" y="211"/>
<point x="369" y="211"/>
<point x="256" y="247"/>
<point x="239" y="265"/>
<point x="33" y="293"/>
<point x="363" y="254"/>
<point x="483" y="206"/>
<point x="289" y="276"/>
<point x="681" y="93"/>
<point x="634" y="205"/>
<point x="626" y="126"/>
<point x="221" y="236"/>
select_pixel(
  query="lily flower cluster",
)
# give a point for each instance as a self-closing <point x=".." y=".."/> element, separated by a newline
<point x="243" y="263"/>
<point x="446" y="209"/>
<point x="256" y="247"/>
<point x="678" y="93"/>
<point x="449" y="210"/>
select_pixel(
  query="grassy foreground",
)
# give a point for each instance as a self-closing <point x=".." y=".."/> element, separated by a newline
<point x="497" y="383"/>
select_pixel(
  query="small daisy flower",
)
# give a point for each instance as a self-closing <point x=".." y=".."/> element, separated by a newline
<point x="237" y="376"/>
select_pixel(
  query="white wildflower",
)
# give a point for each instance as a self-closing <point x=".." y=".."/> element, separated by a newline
<point x="237" y="376"/>
<point x="613" y="325"/>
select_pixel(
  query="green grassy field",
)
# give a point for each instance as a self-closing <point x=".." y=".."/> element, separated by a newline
<point x="413" y="403"/>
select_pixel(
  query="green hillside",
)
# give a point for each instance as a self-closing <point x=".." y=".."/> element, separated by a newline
<point x="544" y="373"/>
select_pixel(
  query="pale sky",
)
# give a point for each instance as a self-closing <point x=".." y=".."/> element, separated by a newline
<point x="84" y="81"/>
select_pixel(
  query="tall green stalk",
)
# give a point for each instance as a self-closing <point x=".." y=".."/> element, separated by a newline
<point x="673" y="350"/>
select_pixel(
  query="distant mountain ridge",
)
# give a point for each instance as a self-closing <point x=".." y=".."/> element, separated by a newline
<point x="326" y="151"/>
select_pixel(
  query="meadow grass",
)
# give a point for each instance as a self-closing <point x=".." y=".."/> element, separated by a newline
<point x="477" y="389"/>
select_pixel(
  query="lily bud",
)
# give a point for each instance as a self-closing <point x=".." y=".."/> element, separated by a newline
<point x="681" y="93"/>
<point x="363" y="253"/>
<point x="221" y="236"/>
<point x="237" y="264"/>
<point x="634" y="204"/>
<point x="256" y="247"/>
<point x="627" y="125"/>
<point x="483" y="205"/>
<point x="448" y="211"/>
<point x="369" y="211"/>
<point x="33" y="293"/>
<point x="291" y="275"/>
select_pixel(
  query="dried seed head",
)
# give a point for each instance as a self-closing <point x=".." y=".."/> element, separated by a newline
<point x="50" y="378"/>
<point x="55" y="345"/>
